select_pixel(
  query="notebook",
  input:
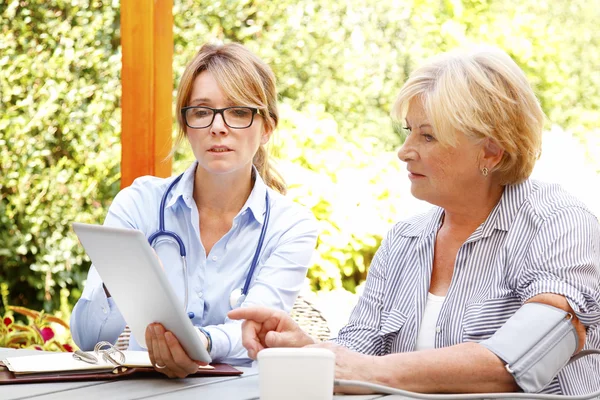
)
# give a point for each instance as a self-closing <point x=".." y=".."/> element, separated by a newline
<point x="102" y="364"/>
<point x="63" y="362"/>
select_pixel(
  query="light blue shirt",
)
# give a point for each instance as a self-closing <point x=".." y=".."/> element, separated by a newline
<point x="286" y="254"/>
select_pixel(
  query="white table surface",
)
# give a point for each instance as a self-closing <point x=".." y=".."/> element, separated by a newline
<point x="244" y="387"/>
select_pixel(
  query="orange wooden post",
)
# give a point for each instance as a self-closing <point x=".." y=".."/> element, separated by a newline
<point x="146" y="77"/>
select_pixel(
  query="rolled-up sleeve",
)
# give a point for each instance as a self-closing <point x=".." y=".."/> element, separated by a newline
<point x="362" y="332"/>
<point x="95" y="317"/>
<point x="564" y="259"/>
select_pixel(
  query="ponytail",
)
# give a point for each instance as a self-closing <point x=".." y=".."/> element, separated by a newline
<point x="268" y="173"/>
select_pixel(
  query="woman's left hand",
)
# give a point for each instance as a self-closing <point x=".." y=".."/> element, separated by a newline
<point x="352" y="366"/>
<point x="166" y="353"/>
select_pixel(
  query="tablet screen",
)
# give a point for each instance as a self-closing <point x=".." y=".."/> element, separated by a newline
<point x="135" y="279"/>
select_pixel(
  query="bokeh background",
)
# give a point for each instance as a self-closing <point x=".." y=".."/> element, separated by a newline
<point x="339" y="66"/>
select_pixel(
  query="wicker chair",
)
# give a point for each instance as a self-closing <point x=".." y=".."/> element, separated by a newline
<point x="123" y="340"/>
<point x="303" y="312"/>
<point x="310" y="319"/>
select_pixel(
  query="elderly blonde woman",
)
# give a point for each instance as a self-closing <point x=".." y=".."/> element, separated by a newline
<point x="449" y="291"/>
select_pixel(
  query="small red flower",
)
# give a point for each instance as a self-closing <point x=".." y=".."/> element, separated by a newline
<point x="68" y="347"/>
<point x="8" y="321"/>
<point x="47" y="333"/>
<point x="37" y="347"/>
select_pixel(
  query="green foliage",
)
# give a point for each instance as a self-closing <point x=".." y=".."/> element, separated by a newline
<point x="59" y="143"/>
<point x="339" y="67"/>
<point x="353" y="57"/>
<point x="329" y="176"/>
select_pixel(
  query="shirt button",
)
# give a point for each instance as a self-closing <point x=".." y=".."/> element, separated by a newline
<point x="438" y="329"/>
<point x="214" y="258"/>
<point x="104" y="310"/>
<point x="200" y="294"/>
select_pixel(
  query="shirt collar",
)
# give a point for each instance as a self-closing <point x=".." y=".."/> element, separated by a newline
<point x="500" y="218"/>
<point x="184" y="188"/>
<point x="255" y="203"/>
<point x="504" y="213"/>
<point x="425" y="224"/>
<point x="256" y="200"/>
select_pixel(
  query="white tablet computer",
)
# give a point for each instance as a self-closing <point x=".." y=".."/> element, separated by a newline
<point x="135" y="279"/>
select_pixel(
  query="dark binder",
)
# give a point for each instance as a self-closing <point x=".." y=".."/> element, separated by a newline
<point x="7" y="377"/>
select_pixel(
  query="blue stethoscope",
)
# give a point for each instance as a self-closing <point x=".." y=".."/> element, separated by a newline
<point x="238" y="295"/>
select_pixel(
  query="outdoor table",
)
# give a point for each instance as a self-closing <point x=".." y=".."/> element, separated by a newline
<point x="243" y="387"/>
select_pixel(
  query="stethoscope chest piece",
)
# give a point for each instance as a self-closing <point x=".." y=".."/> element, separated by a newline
<point x="236" y="298"/>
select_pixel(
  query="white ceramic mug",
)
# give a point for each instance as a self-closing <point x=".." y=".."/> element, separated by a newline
<point x="296" y="374"/>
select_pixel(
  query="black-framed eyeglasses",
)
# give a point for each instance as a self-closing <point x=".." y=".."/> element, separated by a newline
<point x="198" y="117"/>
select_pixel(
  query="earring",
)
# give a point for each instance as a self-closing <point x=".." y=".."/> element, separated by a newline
<point x="485" y="171"/>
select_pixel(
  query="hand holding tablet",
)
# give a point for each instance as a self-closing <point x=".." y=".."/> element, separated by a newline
<point x="133" y="274"/>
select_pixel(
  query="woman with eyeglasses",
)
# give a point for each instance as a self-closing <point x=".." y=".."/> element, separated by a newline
<point x="242" y="241"/>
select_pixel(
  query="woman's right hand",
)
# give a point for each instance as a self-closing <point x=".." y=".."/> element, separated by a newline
<point x="264" y="327"/>
<point x="166" y="353"/>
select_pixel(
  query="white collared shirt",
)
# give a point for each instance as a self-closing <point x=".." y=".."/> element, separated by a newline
<point x="286" y="253"/>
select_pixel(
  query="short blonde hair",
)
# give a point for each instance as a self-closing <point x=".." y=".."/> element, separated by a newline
<point x="246" y="80"/>
<point x="482" y="93"/>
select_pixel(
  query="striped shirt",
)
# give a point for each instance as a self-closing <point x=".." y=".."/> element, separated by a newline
<point x="538" y="239"/>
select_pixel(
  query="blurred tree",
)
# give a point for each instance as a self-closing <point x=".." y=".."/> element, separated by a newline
<point x="352" y="57"/>
<point x="339" y="67"/>
<point x="344" y="62"/>
<point x="59" y="142"/>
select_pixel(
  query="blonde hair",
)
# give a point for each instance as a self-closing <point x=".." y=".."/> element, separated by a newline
<point x="246" y="80"/>
<point x="482" y="93"/>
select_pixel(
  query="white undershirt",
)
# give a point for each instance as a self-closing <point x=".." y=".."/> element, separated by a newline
<point x="426" y="337"/>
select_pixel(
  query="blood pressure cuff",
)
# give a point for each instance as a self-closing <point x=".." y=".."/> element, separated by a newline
<point x="535" y="343"/>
